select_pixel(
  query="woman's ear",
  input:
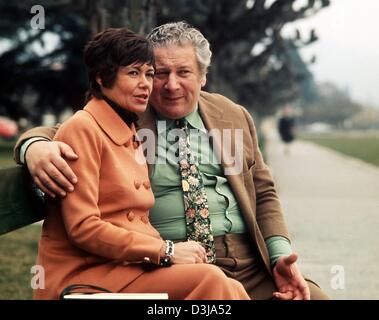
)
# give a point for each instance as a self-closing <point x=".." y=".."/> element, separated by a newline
<point x="99" y="82"/>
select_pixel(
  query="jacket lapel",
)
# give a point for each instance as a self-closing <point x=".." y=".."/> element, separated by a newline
<point x="212" y="116"/>
<point x="147" y="121"/>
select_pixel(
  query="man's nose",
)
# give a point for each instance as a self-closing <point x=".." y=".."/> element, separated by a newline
<point x="172" y="82"/>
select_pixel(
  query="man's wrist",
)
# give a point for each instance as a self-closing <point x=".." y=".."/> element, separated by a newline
<point x="278" y="246"/>
<point x="27" y="144"/>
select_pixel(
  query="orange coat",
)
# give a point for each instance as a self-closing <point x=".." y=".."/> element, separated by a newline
<point x="97" y="233"/>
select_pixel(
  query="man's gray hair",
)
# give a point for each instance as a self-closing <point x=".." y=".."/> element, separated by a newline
<point x="180" y="34"/>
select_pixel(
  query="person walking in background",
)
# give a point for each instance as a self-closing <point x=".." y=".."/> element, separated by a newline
<point x="286" y="128"/>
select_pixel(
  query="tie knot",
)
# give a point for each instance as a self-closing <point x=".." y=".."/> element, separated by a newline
<point x="181" y="123"/>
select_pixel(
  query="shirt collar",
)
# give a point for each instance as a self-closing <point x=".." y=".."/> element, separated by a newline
<point x="193" y="119"/>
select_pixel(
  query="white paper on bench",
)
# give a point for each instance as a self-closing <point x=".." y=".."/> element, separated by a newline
<point x="118" y="296"/>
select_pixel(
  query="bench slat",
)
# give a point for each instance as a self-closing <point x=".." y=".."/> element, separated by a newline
<point x="19" y="203"/>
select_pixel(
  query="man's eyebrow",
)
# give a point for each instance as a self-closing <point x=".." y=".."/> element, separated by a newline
<point x="185" y="67"/>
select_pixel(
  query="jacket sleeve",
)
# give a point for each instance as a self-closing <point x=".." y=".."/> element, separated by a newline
<point x="80" y="210"/>
<point x="46" y="132"/>
<point x="269" y="212"/>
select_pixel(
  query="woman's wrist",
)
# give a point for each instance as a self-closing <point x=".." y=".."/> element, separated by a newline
<point x="166" y="254"/>
<point x="163" y="250"/>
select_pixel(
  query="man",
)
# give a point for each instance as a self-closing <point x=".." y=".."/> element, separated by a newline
<point x="250" y="236"/>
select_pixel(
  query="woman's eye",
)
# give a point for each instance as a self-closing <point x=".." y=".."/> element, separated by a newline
<point x="151" y="75"/>
<point x="133" y="73"/>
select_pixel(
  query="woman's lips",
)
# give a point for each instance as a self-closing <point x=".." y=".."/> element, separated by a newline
<point x="143" y="98"/>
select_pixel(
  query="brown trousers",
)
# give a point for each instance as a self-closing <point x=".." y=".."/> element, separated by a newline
<point x="189" y="282"/>
<point x="239" y="260"/>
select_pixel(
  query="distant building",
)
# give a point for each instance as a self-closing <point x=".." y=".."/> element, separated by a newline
<point x="368" y="118"/>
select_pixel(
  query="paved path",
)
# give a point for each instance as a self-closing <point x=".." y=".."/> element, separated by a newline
<point x="331" y="203"/>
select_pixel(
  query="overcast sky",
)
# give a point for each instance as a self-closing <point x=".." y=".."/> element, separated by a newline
<point x="348" y="47"/>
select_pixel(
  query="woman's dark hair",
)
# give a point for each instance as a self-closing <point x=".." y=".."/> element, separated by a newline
<point x="108" y="51"/>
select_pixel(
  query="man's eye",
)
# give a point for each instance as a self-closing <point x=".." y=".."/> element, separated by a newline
<point x="161" y="74"/>
<point x="183" y="72"/>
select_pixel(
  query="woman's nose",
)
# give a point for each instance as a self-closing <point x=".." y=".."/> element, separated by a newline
<point x="144" y="81"/>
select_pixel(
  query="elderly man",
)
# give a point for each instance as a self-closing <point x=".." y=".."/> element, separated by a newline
<point x="236" y="214"/>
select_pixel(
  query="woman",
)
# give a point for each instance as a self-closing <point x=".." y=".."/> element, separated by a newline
<point x="100" y="234"/>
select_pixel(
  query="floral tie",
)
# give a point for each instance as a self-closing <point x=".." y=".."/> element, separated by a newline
<point x="199" y="227"/>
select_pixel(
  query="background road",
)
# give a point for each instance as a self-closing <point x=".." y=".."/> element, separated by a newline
<point x="331" y="203"/>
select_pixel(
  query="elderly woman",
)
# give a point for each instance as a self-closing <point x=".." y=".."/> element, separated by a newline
<point x="100" y="234"/>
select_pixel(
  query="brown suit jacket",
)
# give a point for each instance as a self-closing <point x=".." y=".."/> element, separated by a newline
<point x="253" y="187"/>
<point x="99" y="233"/>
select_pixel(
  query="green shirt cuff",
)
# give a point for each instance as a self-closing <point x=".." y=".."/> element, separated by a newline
<point x="278" y="246"/>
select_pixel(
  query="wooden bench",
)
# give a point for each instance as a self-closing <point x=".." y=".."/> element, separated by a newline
<point x="21" y="204"/>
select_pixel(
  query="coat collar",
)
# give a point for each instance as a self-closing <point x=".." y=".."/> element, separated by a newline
<point x="112" y="124"/>
<point x="212" y="114"/>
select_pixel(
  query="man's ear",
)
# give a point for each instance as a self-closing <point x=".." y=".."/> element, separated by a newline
<point x="203" y="80"/>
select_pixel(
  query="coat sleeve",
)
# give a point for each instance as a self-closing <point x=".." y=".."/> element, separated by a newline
<point x="269" y="212"/>
<point x="81" y="214"/>
<point x="46" y="132"/>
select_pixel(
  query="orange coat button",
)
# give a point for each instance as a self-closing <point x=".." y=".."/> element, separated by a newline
<point x="146" y="184"/>
<point x="145" y="219"/>
<point x="137" y="184"/>
<point x="130" y="216"/>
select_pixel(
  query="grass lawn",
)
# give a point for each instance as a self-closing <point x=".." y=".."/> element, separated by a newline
<point x="6" y="153"/>
<point x="361" y="146"/>
<point x="18" y="251"/>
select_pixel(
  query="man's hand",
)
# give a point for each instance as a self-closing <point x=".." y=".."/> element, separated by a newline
<point x="291" y="284"/>
<point x="48" y="169"/>
<point x="189" y="252"/>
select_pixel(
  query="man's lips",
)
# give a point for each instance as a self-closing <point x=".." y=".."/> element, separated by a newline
<point x="172" y="98"/>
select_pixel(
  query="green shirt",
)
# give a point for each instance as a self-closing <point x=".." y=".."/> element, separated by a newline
<point x="168" y="213"/>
